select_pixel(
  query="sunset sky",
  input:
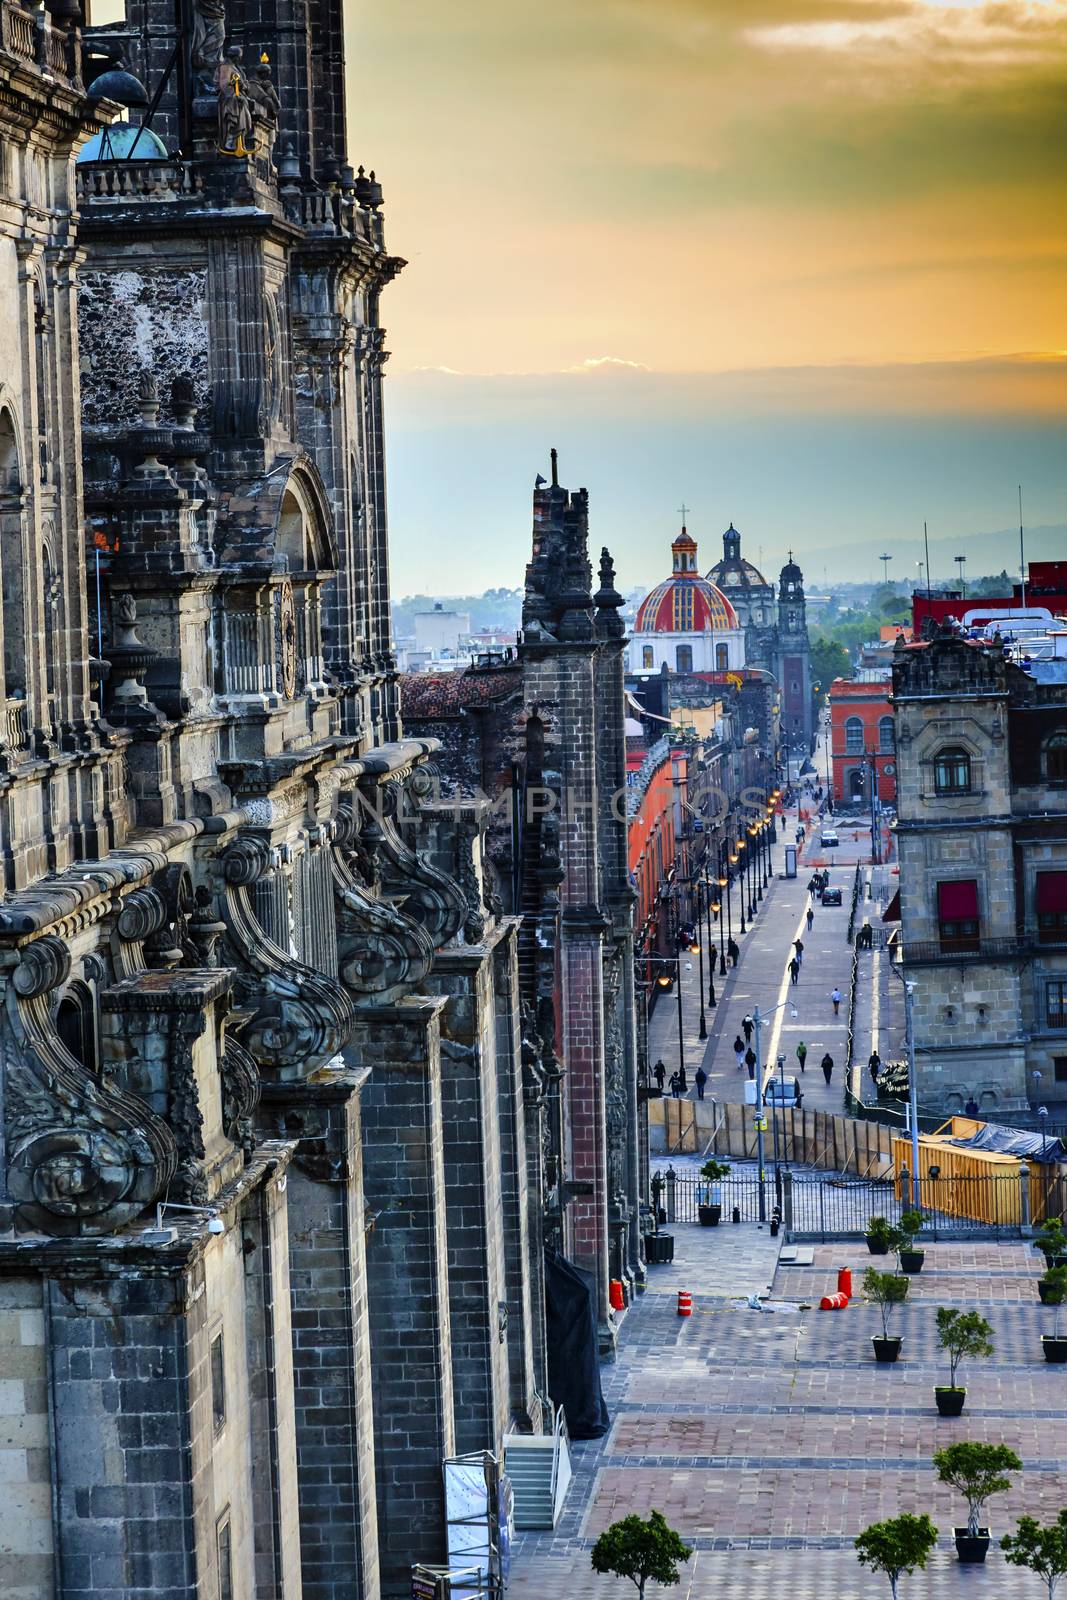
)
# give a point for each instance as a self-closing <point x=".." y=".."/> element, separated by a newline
<point x="801" y="263"/>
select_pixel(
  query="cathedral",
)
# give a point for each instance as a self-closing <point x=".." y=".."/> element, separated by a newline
<point x="775" y="633"/>
<point x="278" y="1140"/>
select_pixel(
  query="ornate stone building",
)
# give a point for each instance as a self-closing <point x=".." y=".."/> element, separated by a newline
<point x="268" y="1156"/>
<point x="776" y="635"/>
<point x="982" y="836"/>
<point x="543" y="738"/>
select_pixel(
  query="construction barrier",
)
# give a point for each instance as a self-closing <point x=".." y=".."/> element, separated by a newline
<point x="833" y="1302"/>
<point x="685" y="1304"/>
<point x="844" y="1281"/>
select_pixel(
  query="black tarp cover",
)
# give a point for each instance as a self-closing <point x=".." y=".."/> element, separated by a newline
<point x="1012" y="1142"/>
<point x="573" y="1356"/>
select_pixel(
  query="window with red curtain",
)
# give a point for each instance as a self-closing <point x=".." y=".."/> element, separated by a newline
<point x="957" y="914"/>
<point x="1052" y="907"/>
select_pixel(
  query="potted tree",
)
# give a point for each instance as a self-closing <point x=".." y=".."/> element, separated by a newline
<point x="709" y="1199"/>
<point x="959" y="1333"/>
<point x="1052" y="1242"/>
<point x="897" y="1546"/>
<point x="977" y="1471"/>
<point x="1053" y="1287"/>
<point x="886" y="1290"/>
<point x="1043" y="1550"/>
<point x="910" y="1258"/>
<point x="641" y="1551"/>
<point x="879" y="1236"/>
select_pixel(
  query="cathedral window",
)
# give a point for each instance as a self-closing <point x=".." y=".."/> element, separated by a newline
<point x="887" y="741"/>
<point x="683" y="657"/>
<point x="853" y="736"/>
<point x="722" y="658"/>
<point x="1056" y="758"/>
<point x="646" y="655"/>
<point x="957" y="914"/>
<point x="952" y="771"/>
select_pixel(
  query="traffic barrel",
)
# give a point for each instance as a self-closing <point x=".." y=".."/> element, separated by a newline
<point x="685" y="1303"/>
<point x="833" y="1302"/>
<point x="844" y="1281"/>
<point x="615" y="1295"/>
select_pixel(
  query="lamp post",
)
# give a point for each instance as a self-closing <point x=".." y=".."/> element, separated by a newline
<point x="702" y="1030"/>
<point x="740" y="858"/>
<point x="722" y="884"/>
<point x="1042" y="1112"/>
<point x="664" y="982"/>
<point x="750" y="862"/>
<point x="708" y="908"/>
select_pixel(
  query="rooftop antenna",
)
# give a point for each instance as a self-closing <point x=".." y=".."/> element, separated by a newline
<point x="926" y="544"/>
<point x="885" y="560"/>
<point x="961" y="562"/>
<point x="1022" y="551"/>
<point x="555" y="467"/>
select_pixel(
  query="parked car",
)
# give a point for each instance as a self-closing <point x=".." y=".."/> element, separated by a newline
<point x="828" y="839"/>
<point x="786" y="1095"/>
<point x="831" y="897"/>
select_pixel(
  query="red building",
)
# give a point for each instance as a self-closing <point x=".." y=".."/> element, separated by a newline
<point x="1046" y="586"/>
<point x="861" y="732"/>
<point x="654" y="783"/>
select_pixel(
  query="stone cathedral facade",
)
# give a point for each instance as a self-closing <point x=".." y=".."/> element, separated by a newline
<point x="272" y="1151"/>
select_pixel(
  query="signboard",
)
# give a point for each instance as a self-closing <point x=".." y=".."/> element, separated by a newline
<point x="790" y="860"/>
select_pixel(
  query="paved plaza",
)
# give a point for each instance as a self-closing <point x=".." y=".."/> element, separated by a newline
<point x="770" y="1438"/>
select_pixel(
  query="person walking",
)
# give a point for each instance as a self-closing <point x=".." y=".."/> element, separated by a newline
<point x="659" y="1072"/>
<point x="874" y="1066"/>
<point x="971" y="1108"/>
<point x="794" y="970"/>
<point x="798" y="946"/>
<point x="675" y="1086"/>
<point x="747" y="1025"/>
<point x="802" y="1054"/>
<point x="835" y="996"/>
<point x="739" y="1052"/>
<point x="701" y="1080"/>
<point x="750" y="1061"/>
<point x="811" y="917"/>
<point x="827" y="1064"/>
<point x="733" y="950"/>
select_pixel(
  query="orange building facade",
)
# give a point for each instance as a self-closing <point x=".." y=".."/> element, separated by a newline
<point x="861" y="734"/>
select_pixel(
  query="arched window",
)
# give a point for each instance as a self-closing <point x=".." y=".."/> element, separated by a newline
<point x="886" y="735"/>
<point x="1056" y="757"/>
<point x="12" y="558"/>
<point x="646" y="655"/>
<point x="952" y="771"/>
<point x="683" y="657"/>
<point x="853" y="736"/>
<point x="76" y="1024"/>
<point x="722" y="658"/>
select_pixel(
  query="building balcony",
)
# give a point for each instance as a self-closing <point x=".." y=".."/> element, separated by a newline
<point x="950" y="952"/>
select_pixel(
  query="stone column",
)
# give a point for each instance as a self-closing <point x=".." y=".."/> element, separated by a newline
<point x="477" y="1286"/>
<point x="407" y="1279"/>
<point x="523" y="1246"/>
<point x="330" y="1333"/>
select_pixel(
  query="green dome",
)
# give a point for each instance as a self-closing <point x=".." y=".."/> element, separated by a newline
<point x="116" y="142"/>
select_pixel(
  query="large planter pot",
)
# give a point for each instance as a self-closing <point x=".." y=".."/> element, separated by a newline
<point x="912" y="1260"/>
<point x="886" y="1350"/>
<point x="950" y="1401"/>
<point x="971" y="1547"/>
<point x="659" y="1248"/>
<point x="710" y="1216"/>
<point x="1054" y="1260"/>
<point x="876" y="1249"/>
<point x="1055" y="1350"/>
<point x="1043" y="1291"/>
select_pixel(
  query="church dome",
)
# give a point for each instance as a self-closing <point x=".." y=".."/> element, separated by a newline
<point x="686" y="602"/>
<point x="733" y="571"/>
<point x="115" y="143"/>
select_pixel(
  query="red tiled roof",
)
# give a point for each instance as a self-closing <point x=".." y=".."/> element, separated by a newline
<point x="445" y="694"/>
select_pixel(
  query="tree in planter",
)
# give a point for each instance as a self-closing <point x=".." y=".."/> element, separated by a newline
<point x="1054" y="1293"/>
<point x="886" y="1290"/>
<point x="880" y="1235"/>
<point x="962" y="1333"/>
<point x="1051" y="1241"/>
<point x="978" y="1472"/>
<point x="713" y="1172"/>
<point x="1043" y="1550"/>
<point x="897" y="1546"/>
<point x="911" y="1222"/>
<point x="644" y="1552"/>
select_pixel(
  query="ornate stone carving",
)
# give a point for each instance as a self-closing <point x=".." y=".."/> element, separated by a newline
<point x="381" y="952"/>
<point x="287" y="633"/>
<point x="614" y="1080"/>
<point x="429" y="897"/>
<point x="296" y="1019"/>
<point x="205" y="929"/>
<point x="209" y="37"/>
<point x="240" y="1096"/>
<point x="83" y="1157"/>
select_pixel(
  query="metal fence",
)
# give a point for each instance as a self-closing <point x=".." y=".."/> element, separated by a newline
<point x="824" y="1208"/>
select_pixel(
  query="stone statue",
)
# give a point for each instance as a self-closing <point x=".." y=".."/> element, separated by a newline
<point x="262" y="90"/>
<point x="236" y="135"/>
<point x="209" y="36"/>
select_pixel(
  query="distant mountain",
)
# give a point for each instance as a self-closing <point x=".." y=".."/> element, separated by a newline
<point x="986" y="553"/>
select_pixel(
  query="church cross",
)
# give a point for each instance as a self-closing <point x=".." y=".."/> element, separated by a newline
<point x="683" y="511"/>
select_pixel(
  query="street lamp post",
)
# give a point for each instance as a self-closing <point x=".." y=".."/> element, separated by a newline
<point x="740" y="858"/>
<point x="913" y="1094"/>
<point x="750" y="862"/>
<point x="758" y="1019"/>
<point x="702" y="1030"/>
<point x="708" y="909"/>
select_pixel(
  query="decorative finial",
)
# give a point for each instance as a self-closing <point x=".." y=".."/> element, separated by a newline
<point x="264" y="59"/>
<point x="555" y="467"/>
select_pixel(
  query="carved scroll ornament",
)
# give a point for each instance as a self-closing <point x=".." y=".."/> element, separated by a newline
<point x="431" y="898"/>
<point x="84" y="1158"/>
<point x="381" y="952"/>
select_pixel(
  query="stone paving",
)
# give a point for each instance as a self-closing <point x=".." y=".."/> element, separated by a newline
<point x="770" y="1438"/>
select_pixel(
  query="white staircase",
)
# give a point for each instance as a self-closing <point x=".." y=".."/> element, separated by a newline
<point x="539" y="1467"/>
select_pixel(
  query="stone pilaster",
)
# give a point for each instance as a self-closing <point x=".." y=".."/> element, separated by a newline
<point x="407" y="1277"/>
